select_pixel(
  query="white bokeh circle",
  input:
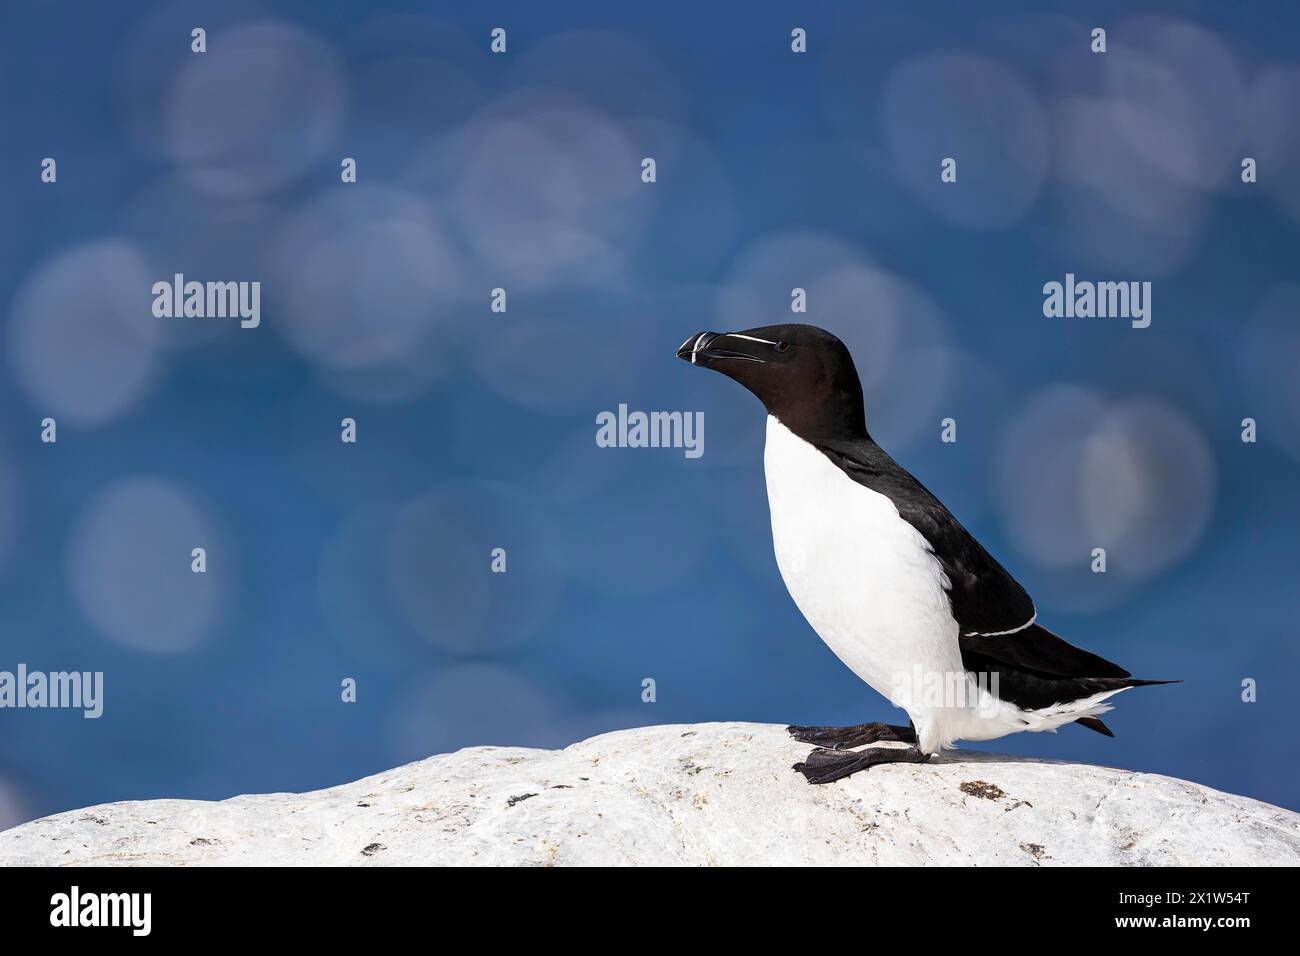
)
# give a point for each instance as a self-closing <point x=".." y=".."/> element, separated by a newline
<point x="129" y="566"/>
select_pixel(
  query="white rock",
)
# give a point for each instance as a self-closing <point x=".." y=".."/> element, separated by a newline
<point x="690" y="794"/>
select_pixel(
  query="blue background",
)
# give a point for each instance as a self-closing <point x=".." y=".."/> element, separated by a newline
<point x="477" y="430"/>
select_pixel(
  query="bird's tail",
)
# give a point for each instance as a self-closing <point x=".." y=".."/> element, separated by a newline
<point x="1094" y="723"/>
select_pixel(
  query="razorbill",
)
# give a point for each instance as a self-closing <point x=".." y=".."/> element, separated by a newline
<point x="887" y="577"/>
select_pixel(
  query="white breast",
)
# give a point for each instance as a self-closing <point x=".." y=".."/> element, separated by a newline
<point x="864" y="578"/>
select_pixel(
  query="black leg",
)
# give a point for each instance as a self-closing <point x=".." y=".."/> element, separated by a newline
<point x="842" y="738"/>
<point x="825" y="766"/>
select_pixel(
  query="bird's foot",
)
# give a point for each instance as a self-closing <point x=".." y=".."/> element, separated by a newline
<point x="827" y="766"/>
<point x="843" y="738"/>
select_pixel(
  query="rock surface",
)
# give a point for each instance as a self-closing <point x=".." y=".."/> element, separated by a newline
<point x="692" y="794"/>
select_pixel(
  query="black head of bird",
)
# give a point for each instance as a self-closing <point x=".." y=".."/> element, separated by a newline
<point x="803" y="375"/>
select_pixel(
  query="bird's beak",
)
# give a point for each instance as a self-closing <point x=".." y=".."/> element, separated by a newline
<point x="708" y="348"/>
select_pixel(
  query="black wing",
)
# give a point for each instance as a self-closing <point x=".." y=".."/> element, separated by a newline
<point x="992" y="610"/>
<point x="1038" y="652"/>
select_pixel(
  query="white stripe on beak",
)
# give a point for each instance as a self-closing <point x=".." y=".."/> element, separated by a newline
<point x="695" y="347"/>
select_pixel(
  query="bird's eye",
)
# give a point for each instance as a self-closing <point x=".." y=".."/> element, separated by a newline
<point x="783" y="346"/>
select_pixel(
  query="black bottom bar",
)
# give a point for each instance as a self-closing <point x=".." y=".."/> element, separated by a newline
<point x="335" y="905"/>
